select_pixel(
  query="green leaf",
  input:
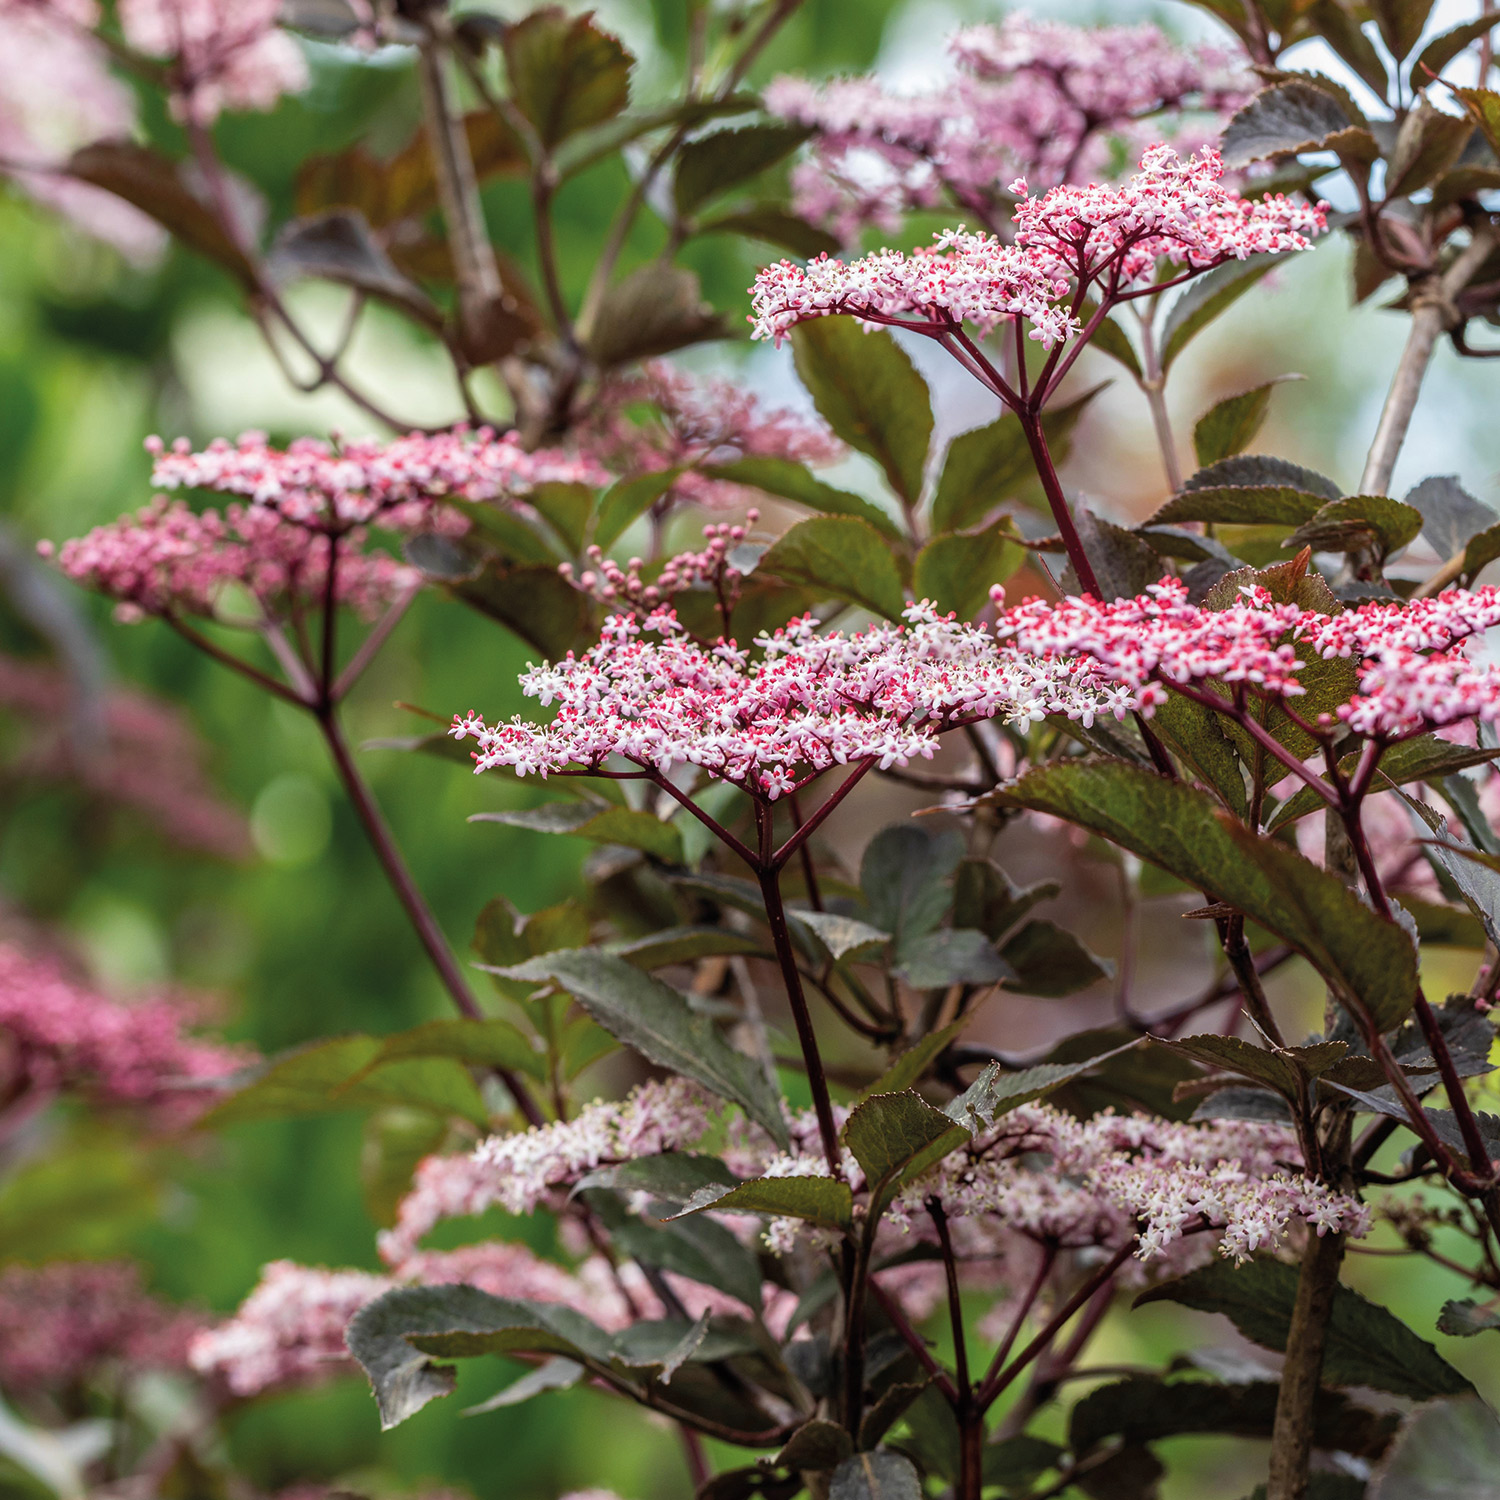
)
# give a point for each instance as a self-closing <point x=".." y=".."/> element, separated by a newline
<point x="957" y="571"/>
<point x="674" y="1176"/>
<point x="1401" y="23"/>
<point x="1440" y="926"/>
<point x="1373" y="524"/>
<point x="1366" y="1344"/>
<point x="1463" y="1319"/>
<point x="1344" y="34"/>
<point x="1241" y="505"/>
<point x="541" y="607"/>
<point x="1484" y="106"/>
<point x="485" y="1044"/>
<point x="995" y="1093"/>
<point x="897" y="1137"/>
<point x="982" y="469"/>
<point x="609" y="825"/>
<point x="843" y="556"/>
<point x="794" y="481"/>
<point x="951" y="955"/>
<point x="555" y="1374"/>
<point x="1427" y="144"/>
<point x="875" y="1476"/>
<point x="774" y="225"/>
<point x="685" y="945"/>
<point x="1192" y="731"/>
<point x="566" y="508"/>
<point x="905" y="875"/>
<point x="502" y="936"/>
<point x="626" y="500"/>
<point x="1290" y="117"/>
<point x="1283" y="1070"/>
<point x="565" y="73"/>
<point x="659" y="1023"/>
<point x="1444" y="47"/>
<point x="821" y="1201"/>
<point x="1146" y="1408"/>
<point x="1111" y="339"/>
<point x="909" y="1068"/>
<point x="1447" y="1451"/>
<point x="1424" y="758"/>
<point x="654" y="310"/>
<point x="1230" y="427"/>
<point x="1369" y="963"/>
<point x="1051" y="962"/>
<point x="703" y="1250"/>
<point x="395" y="1141"/>
<point x="1482" y="550"/>
<point x="842" y="937"/>
<point x="984" y="898"/>
<point x="870" y="393"/>
<point x="715" y="163"/>
<point x="1209" y="295"/>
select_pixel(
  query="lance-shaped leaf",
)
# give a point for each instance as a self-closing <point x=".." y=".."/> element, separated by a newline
<point x="1362" y="523"/>
<point x="674" y="1176"/>
<point x="659" y="1023"/>
<point x="1249" y="491"/>
<point x="774" y="225"/>
<point x="1484" y="106"/>
<point x="1048" y="960"/>
<point x="1448" y="1451"/>
<point x="909" y="1068"/>
<point x="628" y="499"/>
<point x="875" y="1476"/>
<point x="1427" y="144"/>
<point x="542" y="608"/>
<point x="957" y="571"/>
<point x="654" y="310"/>
<point x="606" y="825"/>
<point x="1293" y="117"/>
<point x="1369" y="963"/>
<point x="896" y="1137"/>
<point x="1193" y="732"/>
<point x="1477" y="880"/>
<point x="1450" y="514"/>
<point x="985" y="898"/>
<point x="982" y="469"/>
<point x="1124" y="564"/>
<point x="1424" y="758"/>
<point x="1366" y="1343"/>
<point x="565" y="73"/>
<point x="995" y="1092"/>
<point x="1211" y="294"/>
<point x="905" y="875"/>
<point x="685" y="945"/>
<point x="842" y="937"/>
<point x="717" y="162"/>
<point x="1229" y="427"/>
<point x="1285" y="1069"/>
<point x="842" y="557"/>
<point x="555" y="1374"/>
<point x="700" y="1249"/>
<point x="821" y="1201"/>
<point x="1444" y="47"/>
<point x="794" y="481"/>
<point x="951" y="955"/>
<point x="870" y="393"/>
<point x="490" y="1043"/>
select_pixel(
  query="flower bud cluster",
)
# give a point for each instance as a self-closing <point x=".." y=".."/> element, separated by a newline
<point x="625" y="588"/>
<point x="1036" y="98"/>
<point x="1064" y="241"/>
<point x="56" y="1034"/>
<point x="653" y="697"/>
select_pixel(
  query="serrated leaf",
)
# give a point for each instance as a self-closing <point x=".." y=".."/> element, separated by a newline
<point x="1368" y="962"/>
<point x="896" y="1137"/>
<point x="1427" y="144"/>
<point x="951" y="955"/>
<point x="1051" y="962"/>
<point x="542" y="608"/>
<point x="338" y="246"/>
<point x="565" y="73"/>
<point x="395" y="1140"/>
<point x="843" y="556"/>
<point x="685" y="945"/>
<point x="674" y="1176"/>
<point x="660" y="1024"/>
<point x="502" y="936"/>
<point x="654" y="310"/>
<point x="1482" y="549"/>
<point x="1373" y="524"/>
<point x="905" y="875"/>
<point x="1283" y="1070"/>
<point x="1401" y="23"/>
<point x="1450" y="514"/>
<point x="628" y="499"/>
<point x="870" y="393"/>
<point x="1484" y="106"/>
<point x="980" y="471"/>
<point x="1287" y="118"/>
<point x="1205" y="299"/>
<point x="1241" y="505"/>
<point x="1111" y="339"/>
<point x="491" y="1043"/>
<point x="1366" y="1344"/>
<point x="794" y="481"/>
<point x="1447" y="1451"/>
<point x="626" y="826"/>
<point x="715" y="163"/>
<point x="908" y="1069"/>
<point x="567" y="508"/>
<point x="1193" y="733"/>
<point x="875" y="1476"/>
<point x="1230" y="427"/>
<point x="995" y="1092"/>
<point x="1444" y="47"/>
<point x="842" y="937"/>
<point x="821" y="1201"/>
<point x="774" y="225"/>
<point x="1420" y="759"/>
<point x="1465" y="1318"/>
<point x="957" y="571"/>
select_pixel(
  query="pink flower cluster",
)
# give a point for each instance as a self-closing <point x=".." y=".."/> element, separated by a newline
<point x="224" y="54"/>
<point x="169" y="560"/>
<point x="56" y="1034"/>
<point x="523" y="1171"/>
<point x="1037" y="99"/>
<point x="1066" y="241"/>
<point x="61" y="1323"/>
<point x="651" y="696"/>
<point x="1413" y="672"/>
<point x="624" y="587"/>
<point x="693" y="422"/>
<point x="290" y="1329"/>
<point x="57" y="94"/>
<point x="395" y="484"/>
